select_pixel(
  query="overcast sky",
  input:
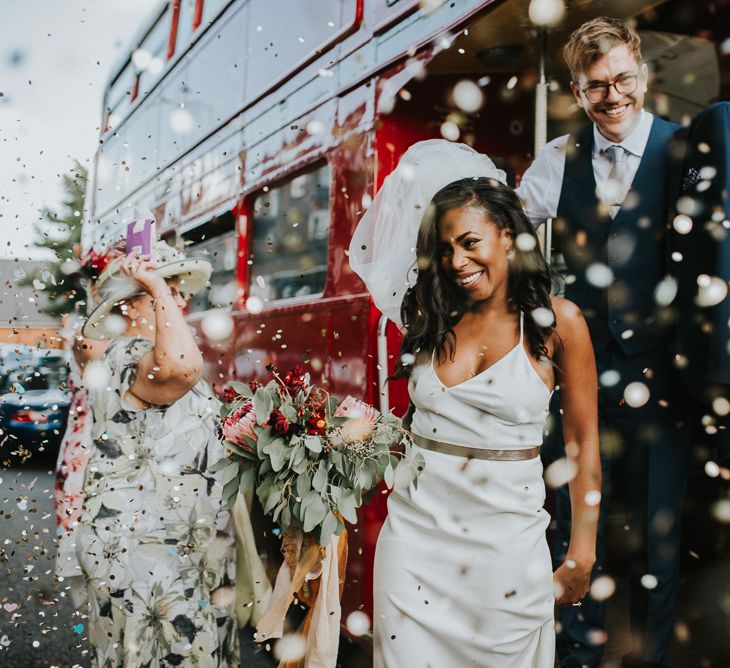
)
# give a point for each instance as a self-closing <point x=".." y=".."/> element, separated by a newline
<point x="55" y="57"/>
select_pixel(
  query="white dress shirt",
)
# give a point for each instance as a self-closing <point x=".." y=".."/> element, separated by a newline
<point x="541" y="184"/>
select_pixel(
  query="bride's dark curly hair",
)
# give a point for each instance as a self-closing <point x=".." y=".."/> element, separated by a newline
<point x="432" y="307"/>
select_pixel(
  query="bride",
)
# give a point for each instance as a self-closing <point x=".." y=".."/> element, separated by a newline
<point x="462" y="567"/>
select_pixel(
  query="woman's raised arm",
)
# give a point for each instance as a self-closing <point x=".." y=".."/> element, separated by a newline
<point x="174" y="365"/>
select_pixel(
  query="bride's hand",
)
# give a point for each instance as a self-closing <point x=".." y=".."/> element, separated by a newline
<point x="572" y="581"/>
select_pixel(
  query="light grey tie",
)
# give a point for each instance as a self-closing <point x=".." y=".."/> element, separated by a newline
<point x="617" y="186"/>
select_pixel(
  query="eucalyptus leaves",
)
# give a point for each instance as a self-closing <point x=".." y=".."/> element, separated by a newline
<point x="311" y="460"/>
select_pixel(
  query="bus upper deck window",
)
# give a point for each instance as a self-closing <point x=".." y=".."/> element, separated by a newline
<point x="290" y="234"/>
<point x="216" y="242"/>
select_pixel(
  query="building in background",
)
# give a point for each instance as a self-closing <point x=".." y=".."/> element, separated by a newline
<point x="21" y="318"/>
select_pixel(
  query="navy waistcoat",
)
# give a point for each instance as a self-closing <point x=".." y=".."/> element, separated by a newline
<point x="633" y="244"/>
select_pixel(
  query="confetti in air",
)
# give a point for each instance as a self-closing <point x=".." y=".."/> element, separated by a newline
<point x="358" y="623"/>
<point x="546" y="12"/>
<point x="560" y="472"/>
<point x="603" y="587"/>
<point x="450" y="131"/>
<point x="543" y="317"/>
<point x="254" y="304"/>
<point x="96" y="376"/>
<point x="712" y="290"/>
<point x="636" y="394"/>
<point x="290" y="647"/>
<point x="525" y="242"/>
<point x="609" y="378"/>
<point x="468" y="96"/>
<point x="599" y="275"/>
<point x="181" y="122"/>
<point x="217" y="325"/>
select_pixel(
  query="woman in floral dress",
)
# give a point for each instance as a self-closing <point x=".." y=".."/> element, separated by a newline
<point x="154" y="542"/>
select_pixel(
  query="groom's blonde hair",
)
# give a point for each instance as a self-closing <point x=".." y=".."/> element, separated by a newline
<point x="594" y="39"/>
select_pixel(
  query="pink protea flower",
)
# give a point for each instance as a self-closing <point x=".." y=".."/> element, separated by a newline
<point x="356" y="409"/>
<point x="239" y="424"/>
<point x="361" y="418"/>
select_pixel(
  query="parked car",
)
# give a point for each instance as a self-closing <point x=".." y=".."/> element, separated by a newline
<point x="34" y="404"/>
<point x="32" y="422"/>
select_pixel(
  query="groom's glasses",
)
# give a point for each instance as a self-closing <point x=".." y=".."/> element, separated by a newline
<point x="624" y="85"/>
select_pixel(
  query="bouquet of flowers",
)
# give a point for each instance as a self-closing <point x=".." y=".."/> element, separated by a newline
<point x="311" y="460"/>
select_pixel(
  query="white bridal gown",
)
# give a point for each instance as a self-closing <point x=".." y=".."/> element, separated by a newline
<point x="462" y="567"/>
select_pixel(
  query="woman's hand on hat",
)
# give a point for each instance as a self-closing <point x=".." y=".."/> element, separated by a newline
<point x="142" y="270"/>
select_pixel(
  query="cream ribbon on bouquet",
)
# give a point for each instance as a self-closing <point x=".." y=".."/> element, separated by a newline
<point x="253" y="589"/>
<point x="305" y="560"/>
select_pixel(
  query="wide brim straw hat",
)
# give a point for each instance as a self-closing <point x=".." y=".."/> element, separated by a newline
<point x="112" y="287"/>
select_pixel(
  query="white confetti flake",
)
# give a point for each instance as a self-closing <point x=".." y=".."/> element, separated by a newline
<point x="603" y="587"/>
<point x="721" y="406"/>
<point x="450" y="131"/>
<point x="560" y="472"/>
<point x="96" y="376"/>
<point x="468" y="96"/>
<point x="636" y="394"/>
<point x="254" y="304"/>
<point x="682" y="224"/>
<point x="141" y="58"/>
<point x="358" y="623"/>
<point x="610" y="378"/>
<point x="599" y="275"/>
<point x="315" y="127"/>
<point x="525" y="242"/>
<point x="649" y="581"/>
<point x="546" y="12"/>
<point x="665" y="291"/>
<point x="217" y="325"/>
<point x="115" y="325"/>
<point x="543" y="317"/>
<point x="712" y="290"/>
<point x="181" y="121"/>
<point x="712" y="470"/>
<point x="291" y="647"/>
<point x="593" y="497"/>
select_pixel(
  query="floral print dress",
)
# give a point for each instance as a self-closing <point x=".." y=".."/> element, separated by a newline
<point x="155" y="544"/>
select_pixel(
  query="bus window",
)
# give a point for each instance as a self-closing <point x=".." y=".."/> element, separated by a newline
<point x="274" y="47"/>
<point x="119" y="96"/>
<point x="290" y="233"/>
<point x="151" y="55"/>
<point x="211" y="9"/>
<point x="217" y="64"/>
<point x="185" y="25"/>
<point x="216" y="242"/>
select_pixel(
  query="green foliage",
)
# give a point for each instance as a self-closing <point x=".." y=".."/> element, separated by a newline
<point x="60" y="232"/>
<point x="311" y="476"/>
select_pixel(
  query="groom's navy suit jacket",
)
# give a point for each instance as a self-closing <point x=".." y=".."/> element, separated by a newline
<point x="632" y="244"/>
<point x="703" y="190"/>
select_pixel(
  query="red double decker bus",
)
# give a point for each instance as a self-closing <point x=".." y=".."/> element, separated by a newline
<point x="257" y="132"/>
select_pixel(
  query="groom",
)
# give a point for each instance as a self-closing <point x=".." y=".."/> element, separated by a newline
<point x="606" y="188"/>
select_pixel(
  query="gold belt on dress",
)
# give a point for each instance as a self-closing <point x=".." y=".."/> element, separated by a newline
<point x="509" y="455"/>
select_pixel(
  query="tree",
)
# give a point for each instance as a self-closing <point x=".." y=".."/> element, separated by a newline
<point x="60" y="232"/>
